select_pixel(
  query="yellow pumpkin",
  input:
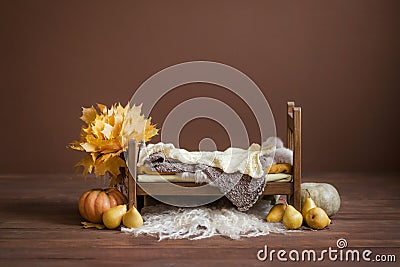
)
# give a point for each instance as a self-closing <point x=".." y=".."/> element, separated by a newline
<point x="93" y="203"/>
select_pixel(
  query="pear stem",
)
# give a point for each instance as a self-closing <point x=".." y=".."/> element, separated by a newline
<point x="286" y="204"/>
<point x="309" y="195"/>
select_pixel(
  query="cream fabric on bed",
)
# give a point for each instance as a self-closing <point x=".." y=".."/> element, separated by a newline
<point x="150" y="178"/>
<point x="230" y="161"/>
<point x="279" y="177"/>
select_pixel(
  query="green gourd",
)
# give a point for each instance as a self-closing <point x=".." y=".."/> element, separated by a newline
<point x="324" y="195"/>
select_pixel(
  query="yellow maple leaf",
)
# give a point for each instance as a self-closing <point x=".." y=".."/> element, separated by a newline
<point x="102" y="108"/>
<point x="87" y="163"/>
<point x="106" y="136"/>
<point x="136" y="126"/>
<point x="76" y="145"/>
<point x="88" y="114"/>
<point x="108" y="163"/>
<point x="98" y="226"/>
<point x="150" y="131"/>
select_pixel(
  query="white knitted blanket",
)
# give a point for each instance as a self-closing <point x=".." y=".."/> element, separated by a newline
<point x="245" y="161"/>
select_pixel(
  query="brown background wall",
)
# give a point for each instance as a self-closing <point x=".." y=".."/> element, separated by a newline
<point x="338" y="59"/>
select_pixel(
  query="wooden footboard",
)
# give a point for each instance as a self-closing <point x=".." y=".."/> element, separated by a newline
<point x="293" y="142"/>
<point x="291" y="190"/>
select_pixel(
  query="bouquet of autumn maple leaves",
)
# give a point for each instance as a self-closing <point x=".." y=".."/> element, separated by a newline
<point x="105" y="137"/>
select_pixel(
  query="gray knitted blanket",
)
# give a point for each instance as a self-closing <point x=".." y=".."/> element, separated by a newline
<point x="241" y="189"/>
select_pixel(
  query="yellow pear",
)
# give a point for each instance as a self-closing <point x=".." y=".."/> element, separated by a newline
<point x="308" y="204"/>
<point x="292" y="218"/>
<point x="132" y="219"/>
<point x="276" y="213"/>
<point x="317" y="218"/>
<point x="112" y="217"/>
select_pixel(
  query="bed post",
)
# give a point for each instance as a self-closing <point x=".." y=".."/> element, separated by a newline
<point x="132" y="161"/>
<point x="290" y="126"/>
<point x="297" y="157"/>
<point x="293" y="141"/>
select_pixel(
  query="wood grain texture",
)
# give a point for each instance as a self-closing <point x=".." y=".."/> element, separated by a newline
<point x="40" y="226"/>
<point x="297" y="156"/>
<point x="143" y="189"/>
<point x="132" y="173"/>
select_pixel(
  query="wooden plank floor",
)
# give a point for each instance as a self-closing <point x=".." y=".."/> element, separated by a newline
<point x="40" y="226"/>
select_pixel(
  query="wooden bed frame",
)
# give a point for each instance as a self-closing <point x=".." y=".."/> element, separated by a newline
<point x="291" y="189"/>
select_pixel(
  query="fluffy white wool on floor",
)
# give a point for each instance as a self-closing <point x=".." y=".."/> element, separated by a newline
<point x="167" y="222"/>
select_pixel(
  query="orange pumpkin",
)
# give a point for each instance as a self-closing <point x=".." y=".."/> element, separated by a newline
<point x="93" y="203"/>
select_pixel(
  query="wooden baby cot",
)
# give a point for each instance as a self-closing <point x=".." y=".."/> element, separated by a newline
<point x="291" y="189"/>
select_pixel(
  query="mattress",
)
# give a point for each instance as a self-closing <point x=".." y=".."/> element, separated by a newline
<point x="176" y="178"/>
